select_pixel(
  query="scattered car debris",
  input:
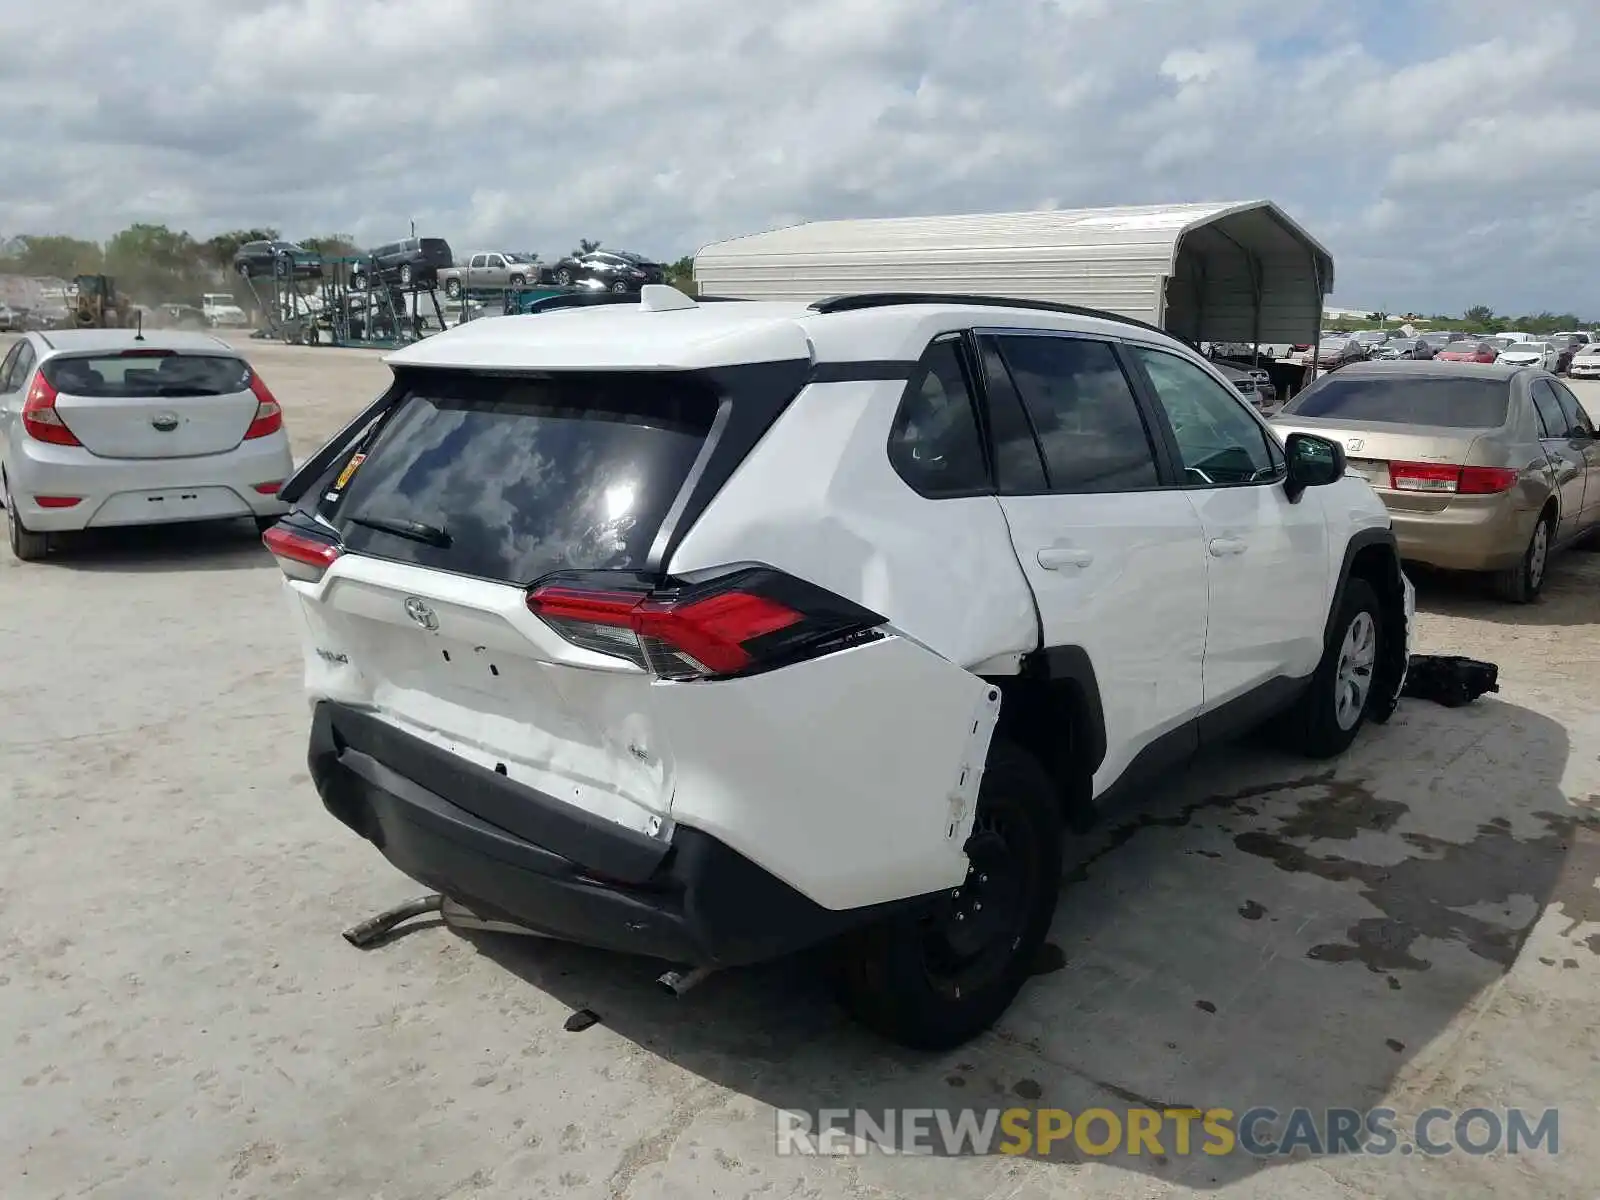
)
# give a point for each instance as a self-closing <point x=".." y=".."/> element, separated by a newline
<point x="581" y="1020"/>
<point x="1450" y="679"/>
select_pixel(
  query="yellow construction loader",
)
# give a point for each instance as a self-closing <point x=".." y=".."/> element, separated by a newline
<point x="98" y="304"/>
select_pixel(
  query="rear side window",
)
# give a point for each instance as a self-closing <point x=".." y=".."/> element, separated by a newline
<point x="1451" y="403"/>
<point x="1083" y="413"/>
<point x="435" y="249"/>
<point x="511" y="479"/>
<point x="1548" y="407"/>
<point x="139" y="374"/>
<point x="1578" y="422"/>
<point x="934" y="444"/>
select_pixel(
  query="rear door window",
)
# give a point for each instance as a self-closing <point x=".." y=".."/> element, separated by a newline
<point x="1083" y="413"/>
<point x="1553" y="420"/>
<point x="21" y="367"/>
<point x="143" y="375"/>
<point x="1451" y="402"/>
<point x="511" y="479"/>
<point x="1578" y="422"/>
<point x="7" y="382"/>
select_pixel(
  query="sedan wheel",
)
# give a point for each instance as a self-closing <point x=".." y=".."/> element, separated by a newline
<point x="619" y="287"/>
<point x="452" y="288"/>
<point x="564" y="277"/>
<point x="1522" y="583"/>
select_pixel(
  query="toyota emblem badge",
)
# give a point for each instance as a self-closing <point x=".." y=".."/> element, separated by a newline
<point x="421" y="613"/>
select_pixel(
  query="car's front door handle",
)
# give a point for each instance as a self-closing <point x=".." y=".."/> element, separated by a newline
<point x="1055" y="558"/>
<point x="1221" y="547"/>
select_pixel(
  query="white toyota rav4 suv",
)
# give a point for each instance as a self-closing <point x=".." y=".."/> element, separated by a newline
<point x="713" y="631"/>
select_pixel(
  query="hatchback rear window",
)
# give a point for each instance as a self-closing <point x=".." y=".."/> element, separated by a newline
<point x="511" y="479"/>
<point x="435" y="249"/>
<point x="1424" y="400"/>
<point x="145" y="373"/>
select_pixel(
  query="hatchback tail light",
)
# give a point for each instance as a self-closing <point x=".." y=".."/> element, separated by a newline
<point x="40" y="420"/>
<point x="269" y="413"/>
<point x="749" y="620"/>
<point x="299" y="555"/>
<point x="1453" y="480"/>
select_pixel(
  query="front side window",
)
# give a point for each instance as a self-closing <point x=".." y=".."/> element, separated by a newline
<point x="1083" y="413"/>
<point x="1219" y="442"/>
<point x="934" y="444"/>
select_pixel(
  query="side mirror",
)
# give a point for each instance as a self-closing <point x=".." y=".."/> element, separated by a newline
<point x="1313" y="461"/>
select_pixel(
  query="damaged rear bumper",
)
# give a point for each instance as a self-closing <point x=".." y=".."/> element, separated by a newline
<point x="508" y="851"/>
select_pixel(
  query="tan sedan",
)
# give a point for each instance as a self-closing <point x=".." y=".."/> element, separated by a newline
<point x="1483" y="468"/>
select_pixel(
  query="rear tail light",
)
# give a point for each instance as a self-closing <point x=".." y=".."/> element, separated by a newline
<point x="269" y="414"/>
<point x="750" y="620"/>
<point x="271" y="488"/>
<point x="299" y="555"/>
<point x="57" y="501"/>
<point x="1453" y="480"/>
<point x="40" y="419"/>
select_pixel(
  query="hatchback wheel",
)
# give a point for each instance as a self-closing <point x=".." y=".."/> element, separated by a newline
<point x="938" y="977"/>
<point x="1522" y="583"/>
<point x="619" y="287"/>
<point x="564" y="277"/>
<point x="27" y="545"/>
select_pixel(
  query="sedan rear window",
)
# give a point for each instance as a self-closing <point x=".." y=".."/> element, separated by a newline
<point x="1413" y="400"/>
<point x="148" y="373"/>
<point x="511" y="479"/>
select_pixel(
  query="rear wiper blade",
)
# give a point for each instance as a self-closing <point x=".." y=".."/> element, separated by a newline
<point x="417" y="531"/>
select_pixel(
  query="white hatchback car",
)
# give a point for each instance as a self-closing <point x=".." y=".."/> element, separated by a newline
<point x="1586" y="362"/>
<point x="108" y="427"/>
<point x="713" y="631"/>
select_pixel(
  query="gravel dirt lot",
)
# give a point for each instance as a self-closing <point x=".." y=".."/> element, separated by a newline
<point x="1417" y="926"/>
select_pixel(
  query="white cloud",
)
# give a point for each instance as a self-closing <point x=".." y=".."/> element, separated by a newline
<point x="662" y="125"/>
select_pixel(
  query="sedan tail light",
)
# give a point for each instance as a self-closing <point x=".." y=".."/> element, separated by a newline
<point x="749" y="620"/>
<point x="269" y="413"/>
<point x="40" y="420"/>
<point x="1453" y="480"/>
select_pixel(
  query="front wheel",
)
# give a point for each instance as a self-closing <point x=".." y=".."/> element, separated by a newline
<point x="406" y="276"/>
<point x="452" y="288"/>
<point x="619" y="287"/>
<point x="244" y="270"/>
<point x="937" y="977"/>
<point x="564" y="277"/>
<point x="1327" y="717"/>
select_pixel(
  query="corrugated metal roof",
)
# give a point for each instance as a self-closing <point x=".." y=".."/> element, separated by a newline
<point x="1196" y="269"/>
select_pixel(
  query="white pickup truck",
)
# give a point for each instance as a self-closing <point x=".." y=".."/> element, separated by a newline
<point x="490" y="269"/>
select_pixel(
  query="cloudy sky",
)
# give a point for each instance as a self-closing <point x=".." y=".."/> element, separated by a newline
<point x="1446" y="151"/>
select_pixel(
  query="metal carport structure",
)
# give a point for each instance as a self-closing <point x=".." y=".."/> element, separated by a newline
<point x="1223" y="272"/>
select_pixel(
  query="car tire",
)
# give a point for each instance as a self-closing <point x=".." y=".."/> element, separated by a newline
<point x="1325" y="720"/>
<point x="564" y="277"/>
<point x="517" y="281"/>
<point x="406" y="275"/>
<point x="1522" y="583"/>
<point x="452" y="288"/>
<point x="26" y="545"/>
<point x="620" y="287"/>
<point x="936" y="977"/>
<point x="358" y="281"/>
<point x="243" y="269"/>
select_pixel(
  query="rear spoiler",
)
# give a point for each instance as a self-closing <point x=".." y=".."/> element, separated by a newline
<point x="308" y="472"/>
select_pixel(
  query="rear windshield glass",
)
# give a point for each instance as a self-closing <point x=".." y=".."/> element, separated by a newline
<point x="1453" y="403"/>
<point x="435" y="248"/>
<point x="148" y="375"/>
<point x="511" y="479"/>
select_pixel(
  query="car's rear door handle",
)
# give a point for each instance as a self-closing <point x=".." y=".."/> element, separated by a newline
<point x="1055" y="558"/>
<point x="1221" y="547"/>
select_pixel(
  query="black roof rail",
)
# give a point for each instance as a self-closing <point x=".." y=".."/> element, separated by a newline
<point x="862" y="300"/>
<point x="584" y="299"/>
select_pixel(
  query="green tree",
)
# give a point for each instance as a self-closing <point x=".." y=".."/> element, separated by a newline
<point x="153" y="264"/>
<point x="680" y="275"/>
<point x="587" y="245"/>
<point x="52" y="254"/>
<point x="1479" y="315"/>
<point x="333" y="245"/>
